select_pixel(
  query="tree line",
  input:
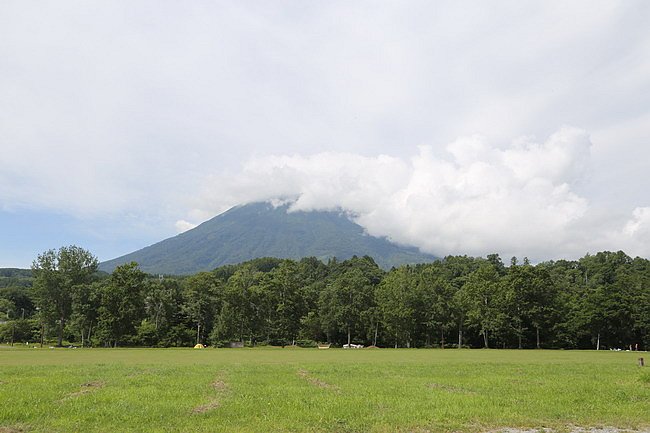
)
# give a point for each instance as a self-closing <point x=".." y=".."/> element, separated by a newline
<point x="599" y="301"/>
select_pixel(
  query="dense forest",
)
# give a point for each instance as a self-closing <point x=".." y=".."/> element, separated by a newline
<point x="600" y="301"/>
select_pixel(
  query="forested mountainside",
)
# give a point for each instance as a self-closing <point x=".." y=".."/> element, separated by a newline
<point x="262" y="230"/>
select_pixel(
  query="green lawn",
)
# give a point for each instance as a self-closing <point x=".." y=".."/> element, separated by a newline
<point x="272" y="389"/>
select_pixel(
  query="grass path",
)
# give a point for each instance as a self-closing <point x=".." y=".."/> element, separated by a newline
<point x="303" y="390"/>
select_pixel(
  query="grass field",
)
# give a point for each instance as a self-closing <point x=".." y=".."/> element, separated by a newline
<point x="287" y="390"/>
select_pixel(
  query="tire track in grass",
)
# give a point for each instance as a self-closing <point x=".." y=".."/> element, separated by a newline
<point x="451" y="389"/>
<point x="572" y="429"/>
<point x="86" y="388"/>
<point x="221" y="388"/>
<point x="206" y="407"/>
<point x="305" y="375"/>
<point x="6" y="429"/>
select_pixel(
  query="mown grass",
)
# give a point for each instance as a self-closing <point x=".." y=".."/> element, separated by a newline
<point x="296" y="390"/>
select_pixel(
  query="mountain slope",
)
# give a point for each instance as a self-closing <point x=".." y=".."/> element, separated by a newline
<point x="261" y="230"/>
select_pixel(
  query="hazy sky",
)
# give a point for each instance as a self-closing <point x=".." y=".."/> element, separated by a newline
<point x="461" y="127"/>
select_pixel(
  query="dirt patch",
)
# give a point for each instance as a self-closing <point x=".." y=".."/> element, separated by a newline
<point x="570" y="430"/>
<point x="516" y="430"/>
<point x="304" y="374"/>
<point x="606" y="430"/>
<point x="526" y="382"/>
<point x="450" y="388"/>
<point x="11" y="430"/>
<point x="139" y="373"/>
<point x="86" y="388"/>
<point x="94" y="384"/>
<point x="206" y="407"/>
<point x="219" y="385"/>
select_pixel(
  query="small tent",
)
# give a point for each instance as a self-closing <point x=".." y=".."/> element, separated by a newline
<point x="199" y="346"/>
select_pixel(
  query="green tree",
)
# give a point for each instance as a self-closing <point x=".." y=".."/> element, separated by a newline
<point x="85" y="310"/>
<point x="122" y="304"/>
<point x="7" y="308"/>
<point x="286" y="302"/>
<point x="530" y="300"/>
<point x="481" y="293"/>
<point x="456" y="270"/>
<point x="162" y="326"/>
<point x="436" y="308"/>
<point x="397" y="300"/>
<point x="342" y="303"/>
<point x="200" y="296"/>
<point x="56" y="273"/>
<point x="640" y="299"/>
<point x="606" y="304"/>
<point x="242" y="312"/>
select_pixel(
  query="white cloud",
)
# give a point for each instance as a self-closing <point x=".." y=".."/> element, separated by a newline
<point x="123" y="109"/>
<point x="634" y="233"/>
<point x="639" y="224"/>
<point x="183" y="226"/>
<point x="516" y="199"/>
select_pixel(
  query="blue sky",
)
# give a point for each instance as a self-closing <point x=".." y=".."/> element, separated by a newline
<point x="458" y="127"/>
<point x="23" y="232"/>
<point x="27" y="233"/>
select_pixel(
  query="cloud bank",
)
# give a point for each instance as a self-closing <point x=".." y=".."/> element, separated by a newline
<point x="112" y="115"/>
<point x="474" y="198"/>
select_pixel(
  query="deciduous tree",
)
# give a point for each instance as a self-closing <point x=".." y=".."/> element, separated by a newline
<point x="56" y="273"/>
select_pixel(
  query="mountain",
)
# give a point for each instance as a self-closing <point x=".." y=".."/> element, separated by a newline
<point x="262" y="230"/>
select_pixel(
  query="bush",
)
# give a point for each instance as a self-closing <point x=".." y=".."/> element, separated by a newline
<point x="306" y="343"/>
<point x="23" y="330"/>
<point x="147" y="334"/>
